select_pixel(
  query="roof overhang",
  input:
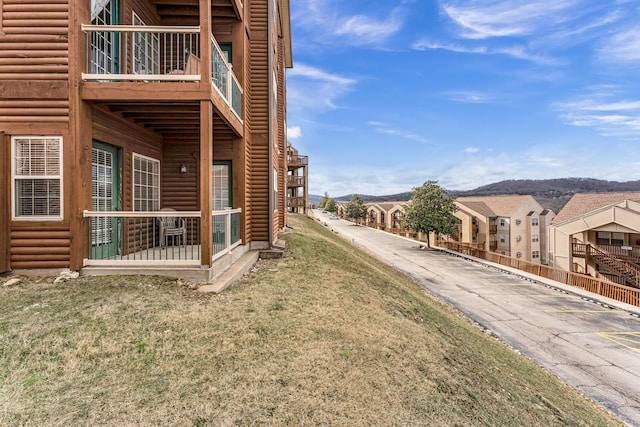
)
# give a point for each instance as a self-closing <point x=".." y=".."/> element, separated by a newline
<point x="625" y="215"/>
<point x="285" y="12"/>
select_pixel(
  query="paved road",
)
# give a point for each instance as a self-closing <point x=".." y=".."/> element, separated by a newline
<point x="591" y="343"/>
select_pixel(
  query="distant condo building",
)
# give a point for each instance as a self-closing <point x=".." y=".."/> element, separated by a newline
<point x="598" y="234"/>
<point x="297" y="180"/>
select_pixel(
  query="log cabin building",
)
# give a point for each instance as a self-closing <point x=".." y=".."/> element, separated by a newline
<point x="141" y="134"/>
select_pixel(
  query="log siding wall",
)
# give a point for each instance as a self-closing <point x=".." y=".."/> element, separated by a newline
<point x="41" y="58"/>
<point x="34" y="100"/>
<point x="258" y="162"/>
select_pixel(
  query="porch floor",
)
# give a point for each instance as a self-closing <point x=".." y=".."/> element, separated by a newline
<point x="172" y="254"/>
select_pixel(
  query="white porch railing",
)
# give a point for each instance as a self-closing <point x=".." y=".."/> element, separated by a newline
<point x="225" y="231"/>
<point x="151" y="53"/>
<point x="224" y="80"/>
<point x="163" y="238"/>
<point x="138" y="52"/>
<point x="149" y="238"/>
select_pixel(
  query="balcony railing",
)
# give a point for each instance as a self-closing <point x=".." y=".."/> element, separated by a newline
<point x="225" y="231"/>
<point x="149" y="53"/>
<point x="125" y="238"/>
<point x="297" y="160"/>
<point x="224" y="80"/>
<point x="296" y="202"/>
<point x="136" y="52"/>
<point x="157" y="238"/>
<point x="295" y="180"/>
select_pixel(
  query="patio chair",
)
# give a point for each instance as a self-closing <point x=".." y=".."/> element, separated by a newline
<point x="172" y="226"/>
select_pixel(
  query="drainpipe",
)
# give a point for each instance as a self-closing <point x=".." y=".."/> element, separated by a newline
<point x="270" y="13"/>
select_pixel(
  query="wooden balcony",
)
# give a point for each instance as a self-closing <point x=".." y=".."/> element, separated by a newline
<point x="296" y="202"/>
<point x="297" y="160"/>
<point x="296" y="181"/>
<point x="493" y="245"/>
<point x="493" y="229"/>
<point x="160" y="64"/>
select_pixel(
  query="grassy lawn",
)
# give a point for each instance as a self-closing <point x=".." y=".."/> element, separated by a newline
<point x="327" y="336"/>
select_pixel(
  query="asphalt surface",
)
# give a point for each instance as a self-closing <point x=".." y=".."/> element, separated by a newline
<point x="590" y="342"/>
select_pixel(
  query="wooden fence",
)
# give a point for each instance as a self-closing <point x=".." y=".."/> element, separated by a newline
<point x="614" y="291"/>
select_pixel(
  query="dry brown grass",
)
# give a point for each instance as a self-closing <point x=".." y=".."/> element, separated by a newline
<point x="327" y="336"/>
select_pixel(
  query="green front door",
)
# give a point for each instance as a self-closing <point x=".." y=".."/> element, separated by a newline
<point x="105" y="197"/>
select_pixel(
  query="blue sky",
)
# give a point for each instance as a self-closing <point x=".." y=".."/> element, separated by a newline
<point x="385" y="95"/>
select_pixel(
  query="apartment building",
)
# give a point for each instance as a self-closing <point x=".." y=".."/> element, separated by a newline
<point x="598" y="234"/>
<point x="141" y="133"/>
<point x="510" y="225"/>
<point x="297" y="180"/>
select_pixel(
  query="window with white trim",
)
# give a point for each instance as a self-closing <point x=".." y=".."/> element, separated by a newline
<point x="503" y="222"/>
<point x="37" y="177"/>
<point x="535" y="238"/>
<point x="221" y="186"/>
<point x="146" y="183"/>
<point x="534" y="222"/>
<point x="535" y="254"/>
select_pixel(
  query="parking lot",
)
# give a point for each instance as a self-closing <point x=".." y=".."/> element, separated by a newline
<point x="591" y="343"/>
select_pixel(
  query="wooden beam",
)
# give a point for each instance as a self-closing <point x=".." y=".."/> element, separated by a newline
<point x="137" y="91"/>
<point x="238" y="9"/>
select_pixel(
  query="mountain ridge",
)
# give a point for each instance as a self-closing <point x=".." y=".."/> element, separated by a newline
<point x="550" y="193"/>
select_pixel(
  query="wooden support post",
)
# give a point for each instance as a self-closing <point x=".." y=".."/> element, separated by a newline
<point x="205" y="170"/>
<point x="77" y="146"/>
<point x="205" y="44"/>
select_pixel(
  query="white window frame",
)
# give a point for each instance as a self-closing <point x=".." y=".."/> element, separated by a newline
<point x="153" y="199"/>
<point x="535" y="222"/>
<point x="503" y="222"/>
<point x="15" y="177"/>
<point x="535" y="238"/>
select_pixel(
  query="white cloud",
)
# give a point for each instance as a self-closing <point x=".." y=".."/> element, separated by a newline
<point x="425" y="44"/>
<point x="385" y="129"/>
<point x="318" y="74"/>
<point x="622" y="47"/>
<point x="516" y="51"/>
<point x="328" y="22"/>
<point x="471" y="150"/>
<point x="365" y="30"/>
<point x="547" y="161"/>
<point x="499" y="18"/>
<point x="610" y="117"/>
<point x="311" y="87"/>
<point x="470" y="97"/>
<point x="294" y="132"/>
